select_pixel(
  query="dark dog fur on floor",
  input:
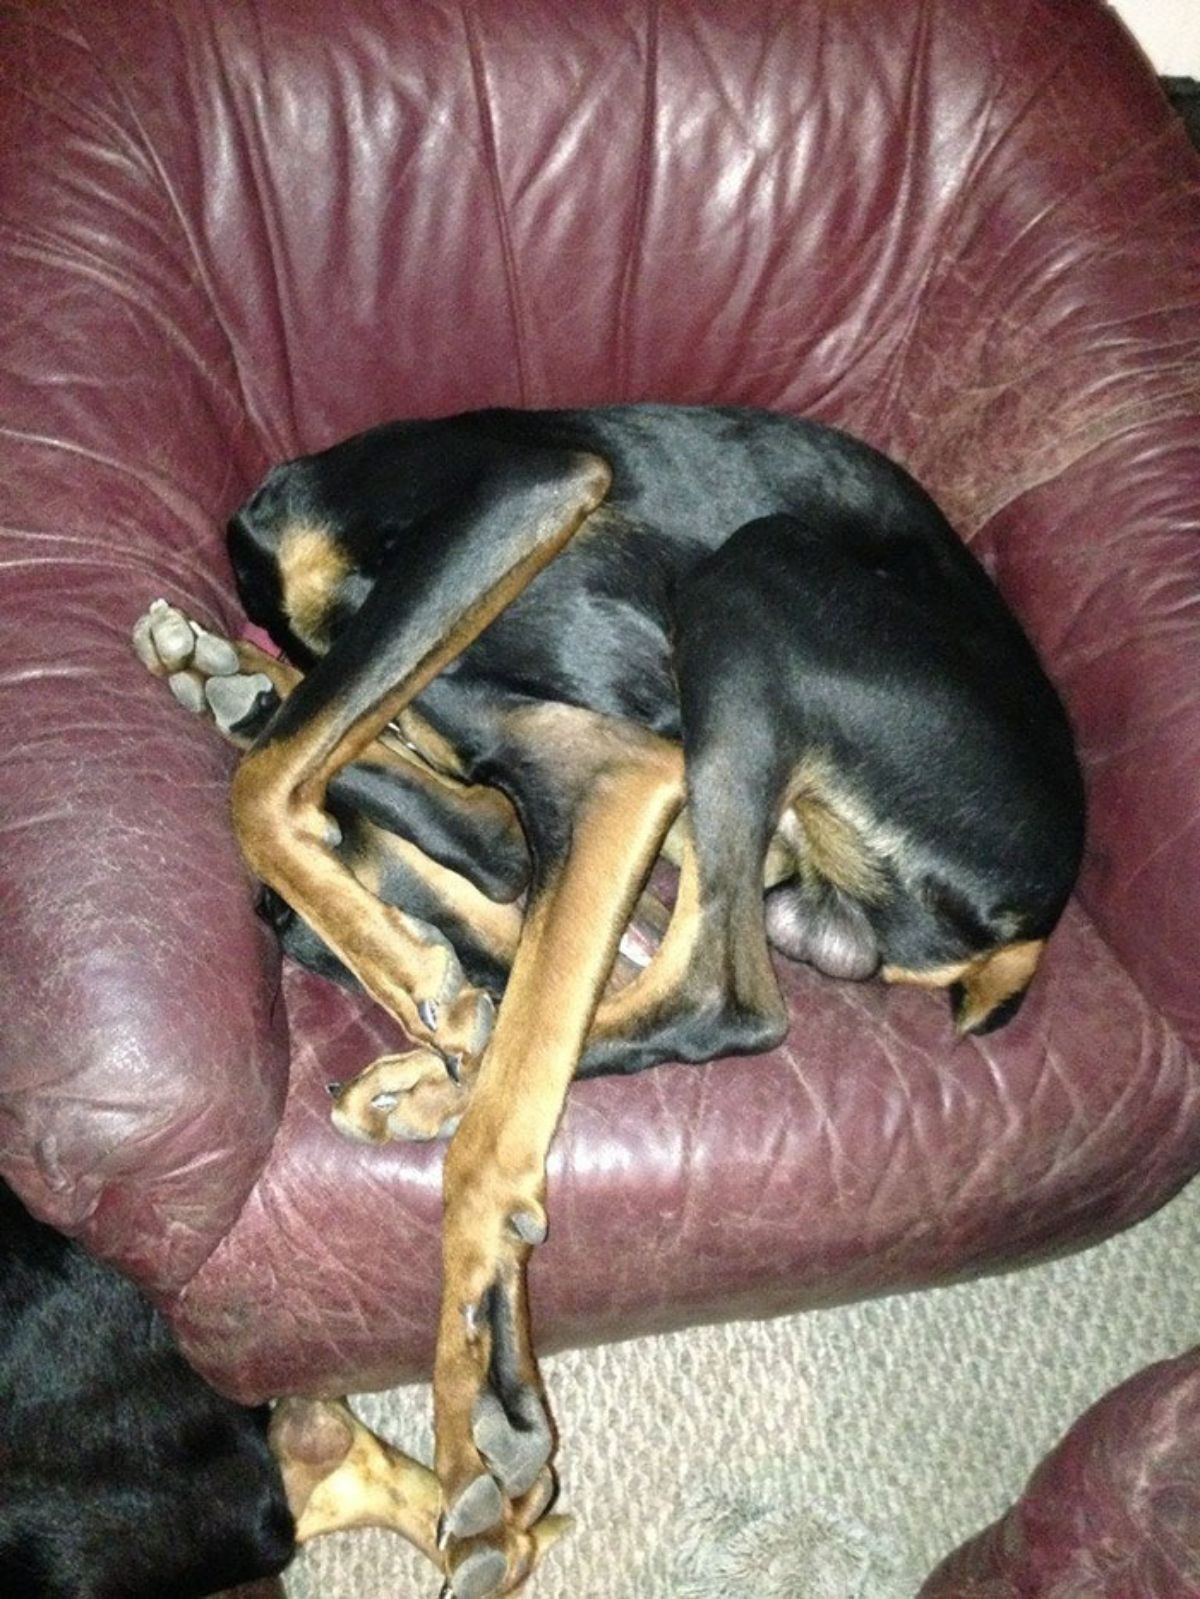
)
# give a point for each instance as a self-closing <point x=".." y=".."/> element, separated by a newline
<point x="123" y="1475"/>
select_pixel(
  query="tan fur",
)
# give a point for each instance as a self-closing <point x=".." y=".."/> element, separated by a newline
<point x="830" y="834"/>
<point x="495" y="927"/>
<point x="312" y="567"/>
<point x="931" y="977"/>
<point x="337" y="1475"/>
<point x="997" y="977"/>
<point x="428" y="744"/>
<point x="988" y="979"/>
<point x="652" y="989"/>
<point x="628" y="786"/>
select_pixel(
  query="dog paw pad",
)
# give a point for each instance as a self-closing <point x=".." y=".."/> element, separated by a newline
<point x="477" y="1509"/>
<point x="212" y="655"/>
<point x="514" y="1440"/>
<point x="235" y="699"/>
<point x="171" y="635"/>
<point x="477" y="1574"/>
<point x="188" y="689"/>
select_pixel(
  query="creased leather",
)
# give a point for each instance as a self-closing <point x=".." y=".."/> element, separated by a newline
<point x="229" y="233"/>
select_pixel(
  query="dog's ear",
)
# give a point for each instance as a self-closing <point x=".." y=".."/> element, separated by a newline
<point x="992" y="990"/>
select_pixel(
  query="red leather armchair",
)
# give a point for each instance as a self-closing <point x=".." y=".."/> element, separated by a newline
<point x="967" y="231"/>
<point x="1113" y="1512"/>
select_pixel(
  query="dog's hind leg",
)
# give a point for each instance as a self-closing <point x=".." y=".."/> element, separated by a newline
<point x="710" y="988"/>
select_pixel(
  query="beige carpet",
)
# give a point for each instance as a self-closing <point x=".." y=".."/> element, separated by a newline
<point x="835" y="1455"/>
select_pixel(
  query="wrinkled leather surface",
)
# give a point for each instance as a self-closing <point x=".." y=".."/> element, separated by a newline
<point x="229" y="233"/>
<point x="1112" y="1513"/>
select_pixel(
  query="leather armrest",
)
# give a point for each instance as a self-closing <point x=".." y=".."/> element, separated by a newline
<point x="142" y="1067"/>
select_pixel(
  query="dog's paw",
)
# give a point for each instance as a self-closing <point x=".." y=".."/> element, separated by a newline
<point x="204" y="671"/>
<point x="310" y="1439"/>
<point x="494" y="1434"/>
<point x="450" y="1013"/>
<point x="412" y="1096"/>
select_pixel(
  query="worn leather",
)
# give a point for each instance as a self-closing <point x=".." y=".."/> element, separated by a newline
<point x="1113" y="1512"/>
<point x="968" y="231"/>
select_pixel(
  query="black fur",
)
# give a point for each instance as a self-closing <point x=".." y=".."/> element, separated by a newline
<point x="123" y="1475"/>
<point x="760" y="588"/>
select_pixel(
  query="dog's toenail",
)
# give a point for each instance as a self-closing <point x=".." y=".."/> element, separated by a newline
<point x="427" y="1010"/>
<point x="334" y="1089"/>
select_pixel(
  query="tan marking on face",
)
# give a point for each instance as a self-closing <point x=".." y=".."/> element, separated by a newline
<point x="312" y="567"/>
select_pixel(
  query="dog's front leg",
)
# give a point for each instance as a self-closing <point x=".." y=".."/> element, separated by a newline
<point x="594" y="834"/>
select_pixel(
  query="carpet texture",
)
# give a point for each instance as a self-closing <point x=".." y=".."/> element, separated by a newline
<point x="834" y="1455"/>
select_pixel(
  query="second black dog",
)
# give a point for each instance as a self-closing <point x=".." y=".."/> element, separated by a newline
<point x="123" y="1475"/>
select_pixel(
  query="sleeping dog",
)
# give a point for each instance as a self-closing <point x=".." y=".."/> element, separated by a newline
<point x="540" y="649"/>
<point x="123" y="1475"/>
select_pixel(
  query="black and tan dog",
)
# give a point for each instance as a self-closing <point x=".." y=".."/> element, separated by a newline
<point x="542" y="647"/>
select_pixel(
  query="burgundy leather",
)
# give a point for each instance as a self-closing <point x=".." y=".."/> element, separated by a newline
<point x="968" y="231"/>
<point x="1112" y="1513"/>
